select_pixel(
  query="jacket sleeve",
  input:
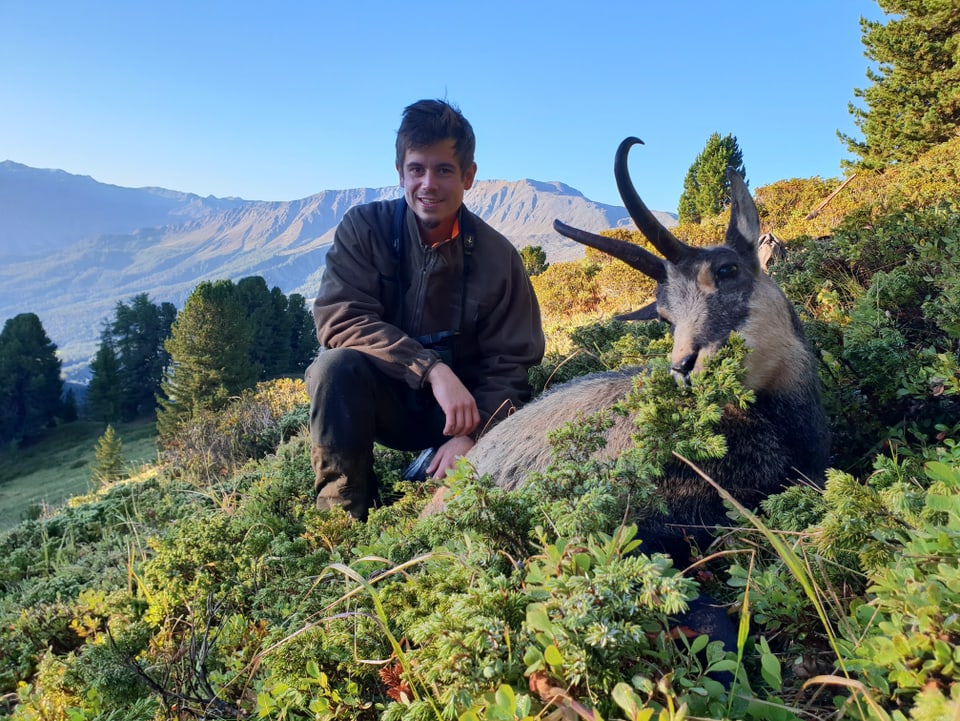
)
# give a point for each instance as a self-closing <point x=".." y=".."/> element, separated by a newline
<point x="510" y="340"/>
<point x="349" y="309"/>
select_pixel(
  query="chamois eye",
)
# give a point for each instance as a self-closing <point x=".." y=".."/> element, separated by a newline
<point x="725" y="272"/>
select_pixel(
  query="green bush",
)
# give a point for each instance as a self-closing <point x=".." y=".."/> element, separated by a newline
<point x="909" y="631"/>
<point x="879" y="296"/>
<point x="211" y="445"/>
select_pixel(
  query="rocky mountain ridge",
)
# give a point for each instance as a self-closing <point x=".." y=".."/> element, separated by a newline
<point x="71" y="247"/>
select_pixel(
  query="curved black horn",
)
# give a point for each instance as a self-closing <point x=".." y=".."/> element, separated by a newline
<point x="661" y="238"/>
<point x="630" y="253"/>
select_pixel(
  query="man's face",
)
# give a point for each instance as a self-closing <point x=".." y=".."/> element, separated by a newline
<point x="433" y="183"/>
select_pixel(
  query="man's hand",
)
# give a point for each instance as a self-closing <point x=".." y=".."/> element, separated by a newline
<point x="455" y="400"/>
<point x="447" y="455"/>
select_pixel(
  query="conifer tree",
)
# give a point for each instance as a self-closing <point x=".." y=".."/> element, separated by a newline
<point x="70" y="411"/>
<point x="279" y="360"/>
<point x="706" y="191"/>
<point x="534" y="260"/>
<point x="105" y="394"/>
<point x="108" y="464"/>
<point x="303" y="333"/>
<point x="31" y="389"/>
<point x="913" y="103"/>
<point x="266" y="313"/>
<point x="209" y="349"/>
<point x="138" y="330"/>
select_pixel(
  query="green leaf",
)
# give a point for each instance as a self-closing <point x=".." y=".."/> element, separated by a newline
<point x="319" y="705"/>
<point x="552" y="655"/>
<point x="699" y="643"/>
<point x="942" y="504"/>
<point x="533" y="659"/>
<point x="770" y="670"/>
<point x="502" y="706"/>
<point x="939" y="471"/>
<point x="723" y="665"/>
<point x="538" y="619"/>
<point x="632" y="705"/>
<point x="582" y="561"/>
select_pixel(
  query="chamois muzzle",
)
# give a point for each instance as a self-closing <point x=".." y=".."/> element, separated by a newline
<point x="682" y="370"/>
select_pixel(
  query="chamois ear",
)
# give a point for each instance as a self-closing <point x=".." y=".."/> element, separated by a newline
<point x="743" y="232"/>
<point x="648" y="312"/>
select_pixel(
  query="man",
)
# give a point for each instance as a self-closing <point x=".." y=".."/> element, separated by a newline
<point x="426" y="318"/>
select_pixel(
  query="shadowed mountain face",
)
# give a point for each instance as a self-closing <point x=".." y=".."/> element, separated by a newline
<point x="72" y="248"/>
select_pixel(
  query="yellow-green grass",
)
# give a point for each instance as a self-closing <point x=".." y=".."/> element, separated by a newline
<point x="47" y="473"/>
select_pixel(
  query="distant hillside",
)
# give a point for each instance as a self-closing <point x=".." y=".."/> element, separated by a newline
<point x="71" y="247"/>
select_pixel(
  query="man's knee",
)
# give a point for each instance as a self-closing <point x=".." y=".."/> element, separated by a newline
<point x="333" y="366"/>
<point x="342" y="386"/>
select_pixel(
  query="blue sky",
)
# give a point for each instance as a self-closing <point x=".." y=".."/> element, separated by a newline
<point x="279" y="100"/>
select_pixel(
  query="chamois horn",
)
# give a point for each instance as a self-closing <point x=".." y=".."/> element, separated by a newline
<point x="662" y="239"/>
<point x="630" y="253"/>
<point x="673" y="250"/>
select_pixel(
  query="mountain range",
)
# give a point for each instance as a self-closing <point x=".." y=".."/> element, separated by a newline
<point x="71" y="247"/>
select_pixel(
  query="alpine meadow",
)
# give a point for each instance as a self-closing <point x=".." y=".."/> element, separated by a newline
<point x="194" y="577"/>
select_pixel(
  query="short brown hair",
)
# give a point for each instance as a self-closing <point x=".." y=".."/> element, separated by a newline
<point x="427" y="122"/>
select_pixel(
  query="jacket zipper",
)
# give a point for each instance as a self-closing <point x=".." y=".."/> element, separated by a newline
<point x="429" y="260"/>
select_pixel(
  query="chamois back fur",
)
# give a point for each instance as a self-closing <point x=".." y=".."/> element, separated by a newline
<point x="704" y="293"/>
<point x="509" y="451"/>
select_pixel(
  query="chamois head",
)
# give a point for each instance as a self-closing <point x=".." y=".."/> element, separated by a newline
<point x="705" y="293"/>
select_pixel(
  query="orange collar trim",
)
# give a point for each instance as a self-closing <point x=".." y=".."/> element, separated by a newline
<point x="454" y="232"/>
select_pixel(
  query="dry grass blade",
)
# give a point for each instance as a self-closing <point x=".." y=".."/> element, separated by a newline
<point x="856" y="686"/>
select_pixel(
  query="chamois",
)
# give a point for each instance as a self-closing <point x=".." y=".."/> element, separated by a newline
<point x="704" y="294"/>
